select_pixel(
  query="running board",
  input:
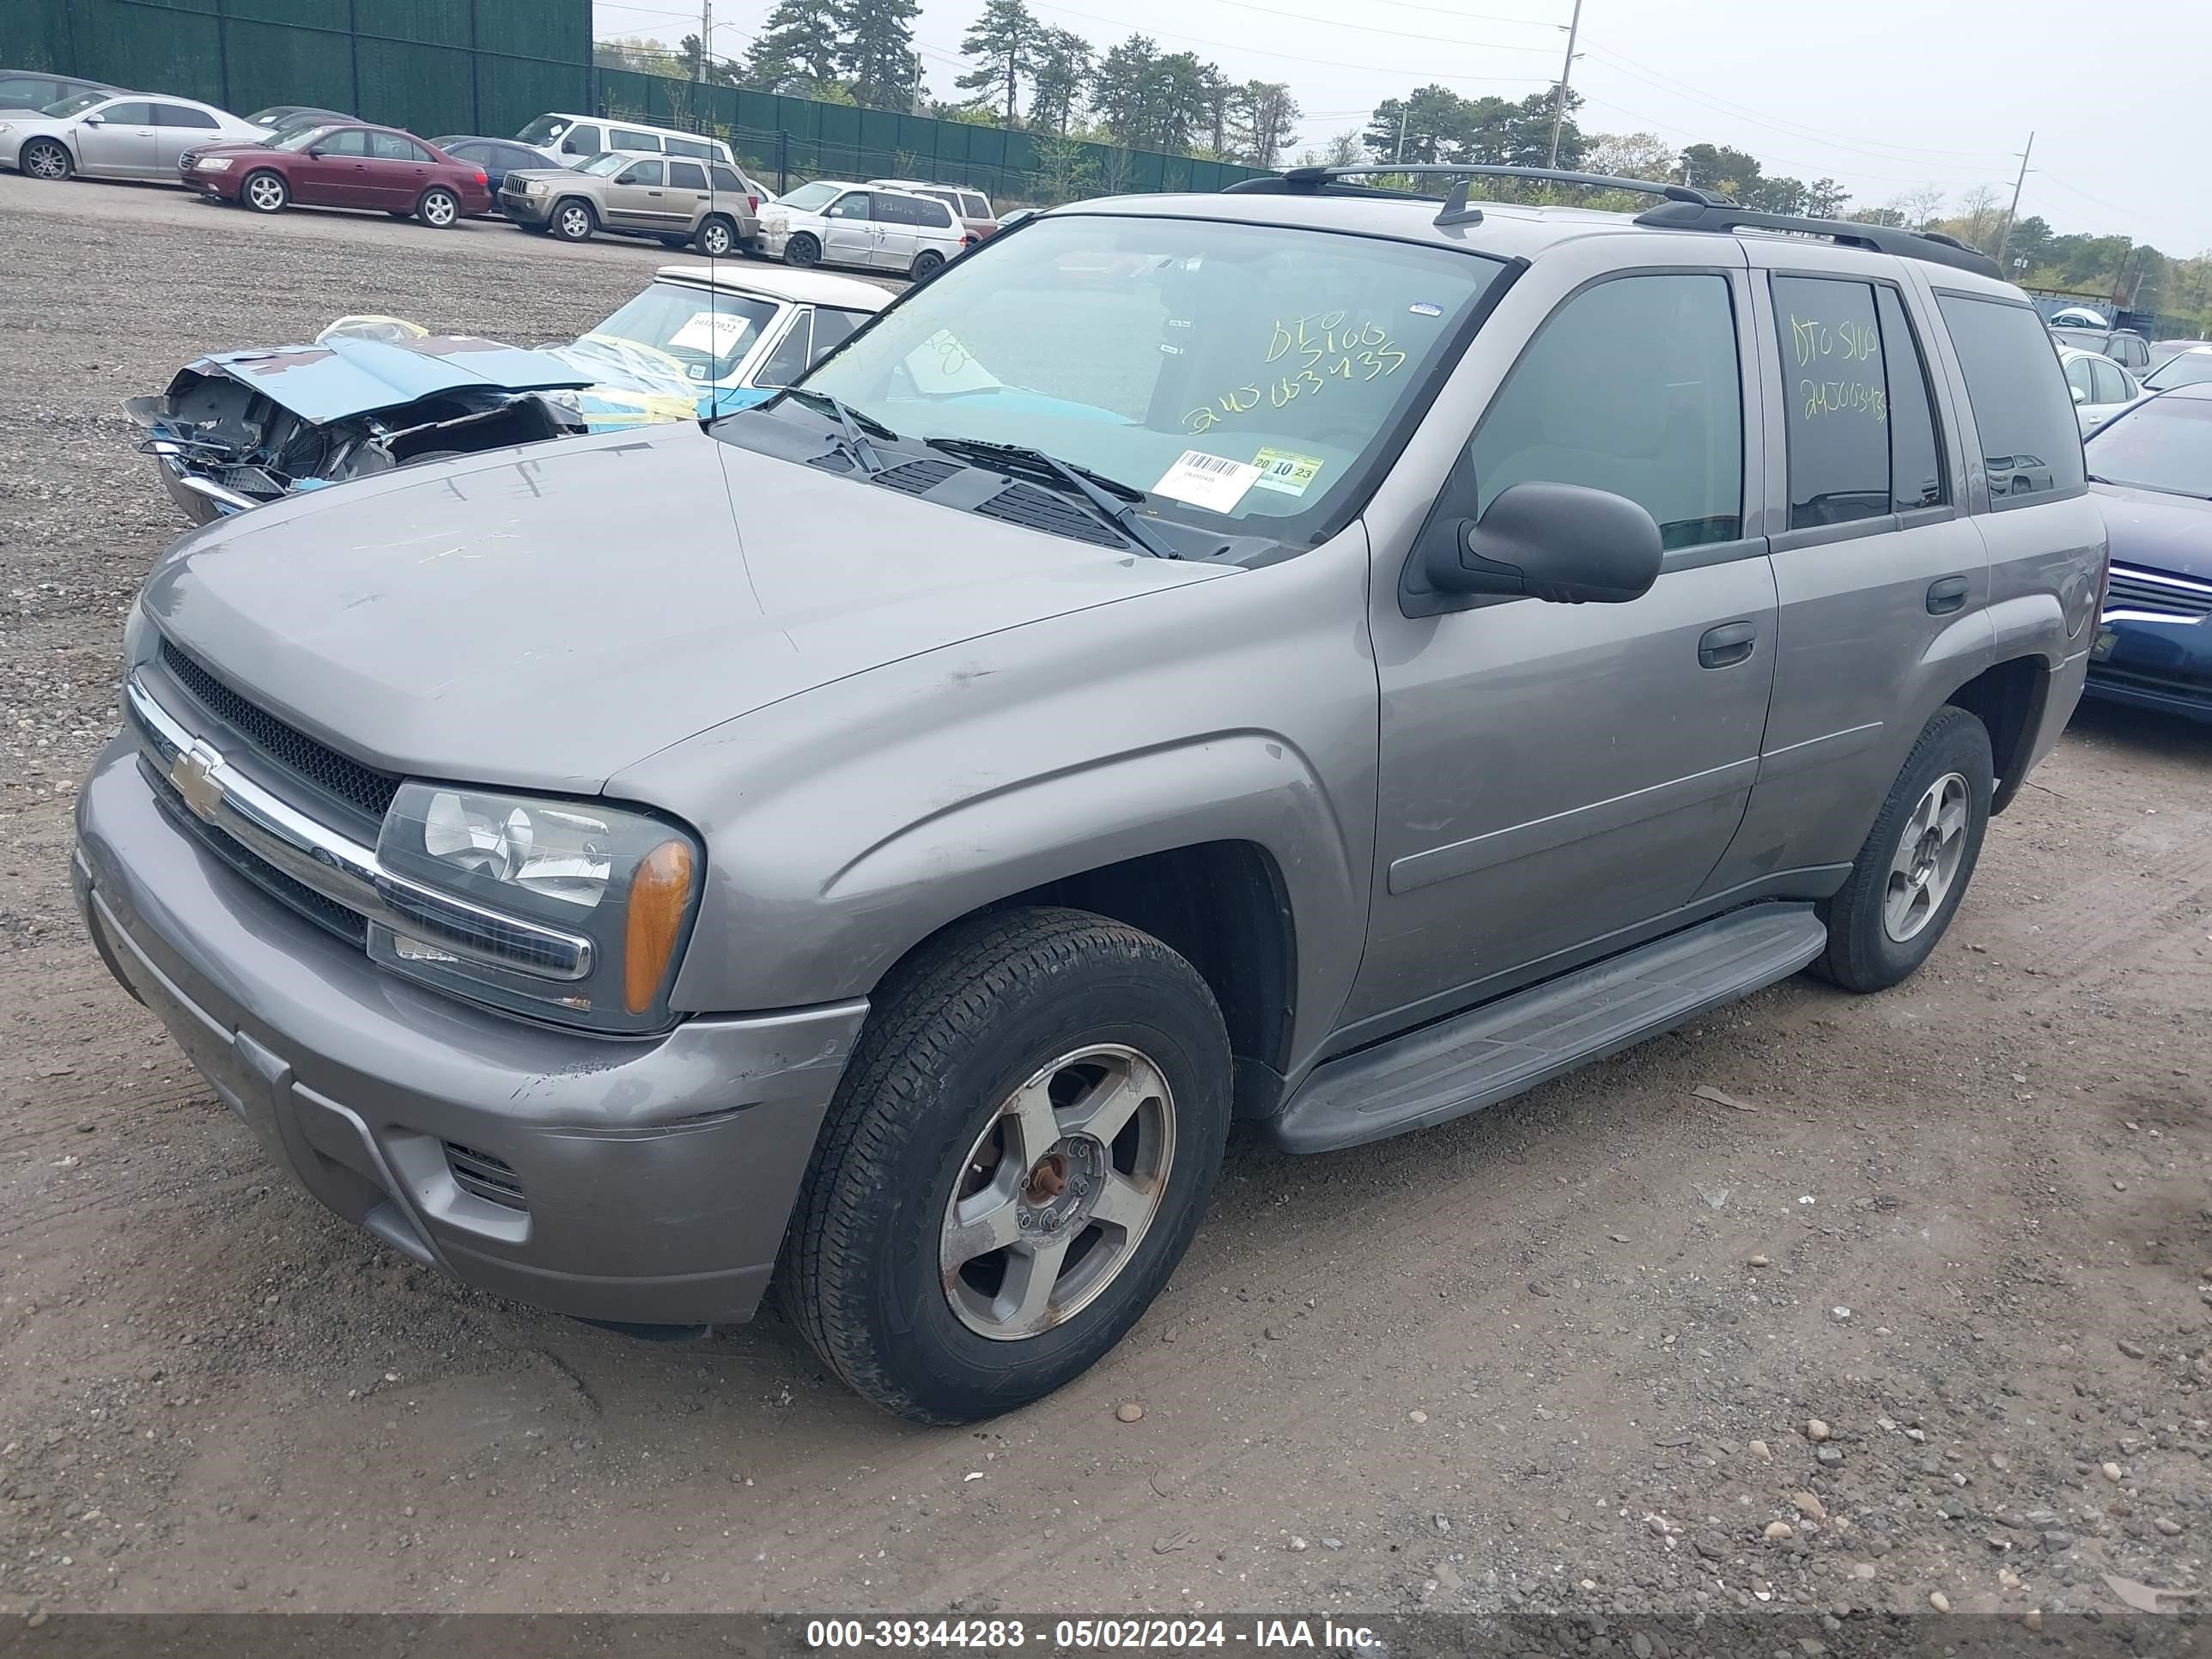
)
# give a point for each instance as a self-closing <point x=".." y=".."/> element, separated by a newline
<point x="1493" y="1052"/>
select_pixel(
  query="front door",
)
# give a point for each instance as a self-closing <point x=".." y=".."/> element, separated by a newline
<point x="636" y="197"/>
<point x="849" y="231"/>
<point x="1883" y="582"/>
<point x="334" y="172"/>
<point x="116" y="142"/>
<point x="1554" y="776"/>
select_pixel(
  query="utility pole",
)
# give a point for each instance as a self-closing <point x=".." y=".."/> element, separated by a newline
<point x="706" y="39"/>
<point x="1404" y="111"/>
<point x="1566" y="70"/>
<point x="2004" y="241"/>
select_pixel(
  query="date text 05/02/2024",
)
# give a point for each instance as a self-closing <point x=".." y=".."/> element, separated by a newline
<point x="1067" y="1635"/>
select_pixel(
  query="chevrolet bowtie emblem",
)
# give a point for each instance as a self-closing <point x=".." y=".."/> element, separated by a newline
<point x="193" y="774"/>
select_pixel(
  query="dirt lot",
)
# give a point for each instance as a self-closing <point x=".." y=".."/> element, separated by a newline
<point x="1567" y="1355"/>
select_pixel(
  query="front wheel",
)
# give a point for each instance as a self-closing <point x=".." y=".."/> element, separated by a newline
<point x="573" y="221"/>
<point x="802" y="250"/>
<point x="439" y="208"/>
<point x="1910" y="876"/>
<point x="1016" y="1158"/>
<point x="47" y="159"/>
<point x="926" y="265"/>
<point x="265" y="192"/>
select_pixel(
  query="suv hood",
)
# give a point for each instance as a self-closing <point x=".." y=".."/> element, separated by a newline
<point x="544" y="617"/>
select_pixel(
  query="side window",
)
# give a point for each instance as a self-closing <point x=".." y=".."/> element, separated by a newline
<point x="1835" y="399"/>
<point x="581" y="140"/>
<point x="640" y="173"/>
<point x="832" y="329"/>
<point x="692" y="147"/>
<point x="933" y="213"/>
<point x="390" y="147"/>
<point x="975" y="206"/>
<point x="1915" y="455"/>
<point x="2078" y="380"/>
<point x="853" y="204"/>
<point x="898" y="210"/>
<point x="631" y="138"/>
<point x="27" y="92"/>
<point x="1635" y="387"/>
<point x="792" y="353"/>
<point x="183" y="115"/>
<point x="686" y="175"/>
<point x="128" y="115"/>
<point x="2111" y="385"/>
<point x="726" y="181"/>
<point x="2030" y="442"/>
<point x="352" y="140"/>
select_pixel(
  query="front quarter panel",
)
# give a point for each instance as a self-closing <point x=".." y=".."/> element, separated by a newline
<point x="846" y="825"/>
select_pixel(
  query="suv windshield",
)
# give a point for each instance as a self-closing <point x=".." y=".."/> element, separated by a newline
<point x="2164" y="444"/>
<point x="807" y="197"/>
<point x="706" y="334"/>
<point x="1248" y="371"/>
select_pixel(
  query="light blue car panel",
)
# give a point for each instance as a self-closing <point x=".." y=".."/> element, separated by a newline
<point x="345" y="377"/>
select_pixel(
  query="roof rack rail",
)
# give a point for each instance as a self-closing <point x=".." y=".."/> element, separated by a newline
<point x="1932" y="246"/>
<point x="1457" y="211"/>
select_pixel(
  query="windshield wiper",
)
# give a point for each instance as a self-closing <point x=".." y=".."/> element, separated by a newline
<point x="850" y="423"/>
<point x="1115" y="501"/>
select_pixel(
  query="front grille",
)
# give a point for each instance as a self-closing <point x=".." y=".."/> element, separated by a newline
<point x="485" y="1177"/>
<point x="1039" y="509"/>
<point x="324" y="912"/>
<point x="2167" y="596"/>
<point x="362" y="786"/>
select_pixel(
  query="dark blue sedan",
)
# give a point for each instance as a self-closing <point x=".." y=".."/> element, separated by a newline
<point x="496" y="156"/>
<point x="2153" y="467"/>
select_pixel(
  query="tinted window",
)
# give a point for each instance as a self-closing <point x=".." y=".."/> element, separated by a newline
<point x="128" y="115"/>
<point x="691" y="147"/>
<point x="726" y="180"/>
<point x="631" y="138"/>
<point x="1916" y="458"/>
<point x="792" y="354"/>
<point x="2030" y="442"/>
<point x="27" y="92"/>
<point x="640" y="173"/>
<point x="976" y="206"/>
<point x="898" y="210"/>
<point x="2130" y="349"/>
<point x="686" y="175"/>
<point x="183" y="115"/>
<point x="352" y="140"/>
<point x="581" y="140"/>
<point x="2164" y="444"/>
<point x="1631" y="387"/>
<point x="2111" y="385"/>
<point x="932" y="213"/>
<point x="470" y="152"/>
<point x="390" y="147"/>
<point x="833" y="328"/>
<point x="1835" y="395"/>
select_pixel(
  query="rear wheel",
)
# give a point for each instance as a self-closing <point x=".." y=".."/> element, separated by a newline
<point x="1911" y="875"/>
<point x="717" y="238"/>
<point x="46" y="158"/>
<point x="1017" y="1156"/>
<point x="573" y="220"/>
<point x="440" y="209"/>
<point x="802" y="250"/>
<point x="926" y="265"/>
<point x="265" y="192"/>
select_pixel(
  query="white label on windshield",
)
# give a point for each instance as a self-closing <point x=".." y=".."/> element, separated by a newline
<point x="716" y="333"/>
<point x="941" y="366"/>
<point x="1212" y="482"/>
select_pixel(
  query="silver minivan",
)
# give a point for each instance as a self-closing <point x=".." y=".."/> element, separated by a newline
<point x="833" y="223"/>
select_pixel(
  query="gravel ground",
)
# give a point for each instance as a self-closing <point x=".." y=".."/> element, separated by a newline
<point x="1919" y="1310"/>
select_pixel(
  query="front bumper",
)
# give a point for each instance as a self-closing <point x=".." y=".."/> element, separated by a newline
<point x="770" y="242"/>
<point x="651" y="1179"/>
<point x="2162" y="665"/>
<point x="524" y="210"/>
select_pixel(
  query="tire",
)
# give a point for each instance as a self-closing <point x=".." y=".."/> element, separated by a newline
<point x="802" y="250"/>
<point x="572" y="220"/>
<point x="46" y="159"/>
<point x="1062" y="1009"/>
<point x="439" y="208"/>
<point x="717" y="238"/>
<point x="1905" y="887"/>
<point x="926" y="265"/>
<point x="264" y="191"/>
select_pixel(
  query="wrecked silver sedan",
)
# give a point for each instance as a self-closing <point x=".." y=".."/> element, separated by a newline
<point x="238" y="428"/>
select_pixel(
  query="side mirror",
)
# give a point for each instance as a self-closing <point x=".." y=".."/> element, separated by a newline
<point x="1564" y="543"/>
<point x="2080" y="396"/>
<point x="93" y="121"/>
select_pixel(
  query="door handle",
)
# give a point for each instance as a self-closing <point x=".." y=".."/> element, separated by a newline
<point x="1728" y="645"/>
<point x="1946" y="596"/>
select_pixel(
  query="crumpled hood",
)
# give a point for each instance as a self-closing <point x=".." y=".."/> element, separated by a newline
<point x="347" y="376"/>
<point x="544" y="616"/>
<point x="2155" y="530"/>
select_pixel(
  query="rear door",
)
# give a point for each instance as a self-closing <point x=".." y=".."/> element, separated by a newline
<point x="1557" y="776"/>
<point x="898" y="224"/>
<point x="1882" y="581"/>
<point x="2111" y="392"/>
<point x="688" y="197"/>
<point x="118" y="141"/>
<point x="177" y="128"/>
<point x="398" y="171"/>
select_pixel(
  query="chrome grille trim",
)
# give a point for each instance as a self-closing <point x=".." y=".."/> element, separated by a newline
<point x="338" y="868"/>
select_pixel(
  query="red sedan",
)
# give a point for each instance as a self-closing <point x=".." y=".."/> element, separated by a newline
<point x="346" y="166"/>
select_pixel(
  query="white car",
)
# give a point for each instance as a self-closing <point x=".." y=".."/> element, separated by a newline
<point x="2101" y="388"/>
<point x="832" y="222"/>
<point x="107" y="134"/>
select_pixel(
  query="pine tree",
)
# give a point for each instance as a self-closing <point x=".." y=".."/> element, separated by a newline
<point x="1060" y="70"/>
<point x="875" y="51"/>
<point x="796" y="50"/>
<point x="1008" y="39"/>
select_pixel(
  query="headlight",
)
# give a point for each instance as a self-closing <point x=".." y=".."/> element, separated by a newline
<point x="603" y="894"/>
<point x="214" y="164"/>
<point x="535" y="186"/>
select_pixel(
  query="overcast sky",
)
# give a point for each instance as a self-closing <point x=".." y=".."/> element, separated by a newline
<point x="1884" y="95"/>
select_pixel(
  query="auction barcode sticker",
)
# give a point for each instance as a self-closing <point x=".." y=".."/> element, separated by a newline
<point x="1212" y="482"/>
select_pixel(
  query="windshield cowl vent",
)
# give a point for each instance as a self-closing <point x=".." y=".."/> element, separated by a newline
<point x="1038" y="509"/>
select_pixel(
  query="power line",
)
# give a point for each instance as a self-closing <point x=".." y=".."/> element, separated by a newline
<point x="1291" y="57"/>
<point x="1653" y="122"/>
<point x="1370" y="29"/>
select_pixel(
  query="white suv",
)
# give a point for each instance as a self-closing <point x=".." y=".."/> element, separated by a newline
<point x="831" y="223"/>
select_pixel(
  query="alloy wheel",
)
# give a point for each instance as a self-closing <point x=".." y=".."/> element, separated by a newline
<point x="46" y="161"/>
<point x="265" y="194"/>
<point x="1927" y="859"/>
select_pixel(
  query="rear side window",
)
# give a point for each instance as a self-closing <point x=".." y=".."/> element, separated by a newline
<point x="390" y="147"/>
<point x="2110" y="386"/>
<point x="976" y="206"/>
<point x="1633" y="386"/>
<point x="686" y="175"/>
<point x="692" y="147"/>
<point x="2078" y="380"/>
<point x="28" y="92"/>
<point x="1861" y="435"/>
<point x="2030" y="442"/>
<point x="182" y="115"/>
<point x="927" y="212"/>
<point x="896" y="210"/>
<point x="631" y="138"/>
<point x="726" y="180"/>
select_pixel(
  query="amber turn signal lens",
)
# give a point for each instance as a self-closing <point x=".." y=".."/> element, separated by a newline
<point x="660" y="893"/>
